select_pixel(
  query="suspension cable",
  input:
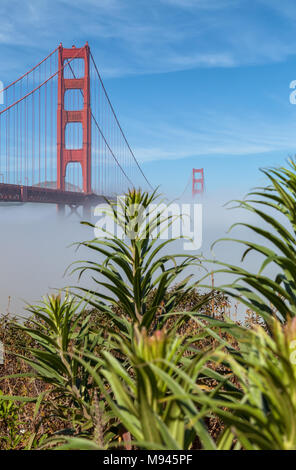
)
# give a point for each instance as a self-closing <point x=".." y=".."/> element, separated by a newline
<point x="39" y="86"/>
<point x="30" y="71"/>
<point x="100" y="131"/>
<point x="115" y="116"/>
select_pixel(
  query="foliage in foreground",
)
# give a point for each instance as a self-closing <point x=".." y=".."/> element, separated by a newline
<point x="264" y="416"/>
<point x="275" y="205"/>
<point x="136" y="265"/>
<point x="146" y="378"/>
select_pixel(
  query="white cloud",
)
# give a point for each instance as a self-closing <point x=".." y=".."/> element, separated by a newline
<point x="286" y="8"/>
<point x="138" y="37"/>
<point x="203" y="60"/>
<point x="201" y="4"/>
<point x="219" y="134"/>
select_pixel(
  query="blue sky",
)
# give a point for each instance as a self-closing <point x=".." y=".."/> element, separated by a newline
<point x="195" y="83"/>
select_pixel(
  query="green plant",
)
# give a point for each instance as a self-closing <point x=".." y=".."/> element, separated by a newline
<point x="133" y="271"/>
<point x="57" y="327"/>
<point x="262" y="293"/>
<point x="264" y="417"/>
<point x="156" y="382"/>
<point x="11" y="432"/>
<point x="134" y="267"/>
<point x="156" y="375"/>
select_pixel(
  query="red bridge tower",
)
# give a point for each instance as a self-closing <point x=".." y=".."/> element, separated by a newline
<point x="197" y="183"/>
<point x="83" y="155"/>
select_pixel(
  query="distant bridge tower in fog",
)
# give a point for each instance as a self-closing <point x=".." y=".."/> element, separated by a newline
<point x="197" y="181"/>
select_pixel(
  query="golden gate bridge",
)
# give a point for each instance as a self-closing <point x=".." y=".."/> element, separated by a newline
<point x="60" y="138"/>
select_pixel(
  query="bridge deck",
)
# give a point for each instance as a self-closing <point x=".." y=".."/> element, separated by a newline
<point x="15" y="193"/>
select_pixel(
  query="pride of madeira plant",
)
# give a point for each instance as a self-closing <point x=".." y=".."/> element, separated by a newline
<point x="138" y="377"/>
<point x="58" y="327"/>
<point x="134" y="265"/>
<point x="264" y="416"/>
<point x="275" y="205"/>
<point x="154" y="385"/>
<point x="81" y="364"/>
<point x="156" y="390"/>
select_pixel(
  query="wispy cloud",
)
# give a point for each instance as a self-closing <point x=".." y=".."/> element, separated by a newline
<point x="201" y="60"/>
<point x="152" y="37"/>
<point x="219" y="134"/>
<point x="201" y="4"/>
<point x="286" y="8"/>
